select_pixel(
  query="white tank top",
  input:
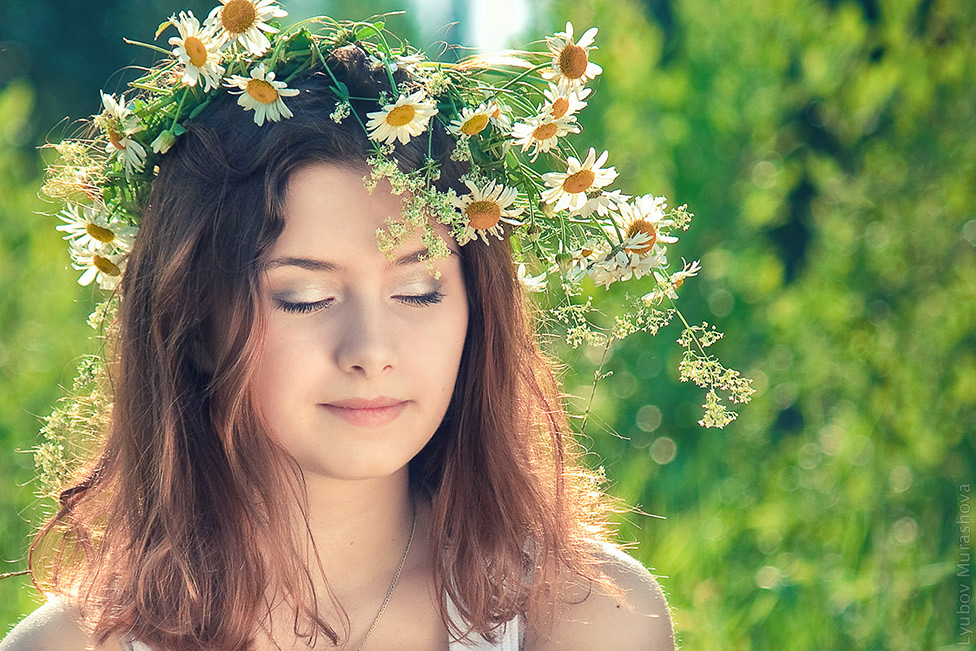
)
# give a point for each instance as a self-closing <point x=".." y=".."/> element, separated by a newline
<point x="510" y="638"/>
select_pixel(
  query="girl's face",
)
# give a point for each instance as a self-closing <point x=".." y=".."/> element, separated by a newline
<point x="361" y="353"/>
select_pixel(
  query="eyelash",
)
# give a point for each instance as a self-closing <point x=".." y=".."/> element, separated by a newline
<point x="304" y="308"/>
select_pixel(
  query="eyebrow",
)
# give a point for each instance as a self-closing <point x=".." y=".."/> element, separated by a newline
<point x="324" y="265"/>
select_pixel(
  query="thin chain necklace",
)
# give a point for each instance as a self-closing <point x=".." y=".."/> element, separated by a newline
<point x="396" y="578"/>
<point x="389" y="593"/>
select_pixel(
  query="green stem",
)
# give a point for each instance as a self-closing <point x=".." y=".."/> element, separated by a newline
<point x="148" y="46"/>
<point x="596" y="378"/>
<point x="688" y="328"/>
<point x="522" y="75"/>
<point x="176" y="116"/>
<point x="352" y="108"/>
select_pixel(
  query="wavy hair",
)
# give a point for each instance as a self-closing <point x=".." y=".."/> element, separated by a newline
<point x="150" y="538"/>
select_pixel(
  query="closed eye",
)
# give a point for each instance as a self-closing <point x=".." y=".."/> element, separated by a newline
<point x="423" y="299"/>
<point x="303" y="308"/>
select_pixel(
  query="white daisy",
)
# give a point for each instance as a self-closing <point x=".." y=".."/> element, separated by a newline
<point x="407" y="62"/>
<point x="245" y="22"/>
<point x="100" y="265"/>
<point x="622" y="265"/>
<point x="402" y="120"/>
<point x="542" y="132"/>
<point x="91" y="228"/>
<point x="262" y="94"/>
<point x="485" y="208"/>
<point x="471" y="122"/>
<point x="646" y="215"/>
<point x="198" y="51"/>
<point x="577" y="262"/>
<point x="533" y="284"/>
<point x="669" y="286"/>
<point x="500" y="116"/>
<point x="567" y="104"/>
<point x="602" y="202"/>
<point x="571" y="65"/>
<point x="569" y="189"/>
<point x="120" y="124"/>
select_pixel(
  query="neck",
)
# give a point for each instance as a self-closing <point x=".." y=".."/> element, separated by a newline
<point x="360" y="530"/>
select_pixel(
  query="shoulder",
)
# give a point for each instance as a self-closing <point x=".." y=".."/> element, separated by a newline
<point x="52" y="627"/>
<point x="593" y="618"/>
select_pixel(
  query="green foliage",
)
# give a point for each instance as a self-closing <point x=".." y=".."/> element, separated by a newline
<point x="826" y="149"/>
<point x="42" y="328"/>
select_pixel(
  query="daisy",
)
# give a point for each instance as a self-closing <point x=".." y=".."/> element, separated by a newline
<point x="569" y="189"/>
<point x="646" y="215"/>
<point x="402" y="120"/>
<point x="99" y="265"/>
<point x="500" y="116"/>
<point x="198" y="51"/>
<point x="571" y="66"/>
<point x="262" y="94"/>
<point x="90" y="228"/>
<point x="120" y="124"/>
<point x="602" y="203"/>
<point x="669" y="286"/>
<point x="245" y="22"/>
<point x="562" y="104"/>
<point x="471" y="122"/>
<point x="623" y="265"/>
<point x="485" y="208"/>
<point x="583" y="257"/>
<point x="532" y="284"/>
<point x="542" y="132"/>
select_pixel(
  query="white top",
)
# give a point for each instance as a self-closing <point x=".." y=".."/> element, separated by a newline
<point x="509" y="639"/>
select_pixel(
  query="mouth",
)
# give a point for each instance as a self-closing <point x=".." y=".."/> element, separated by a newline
<point x="367" y="413"/>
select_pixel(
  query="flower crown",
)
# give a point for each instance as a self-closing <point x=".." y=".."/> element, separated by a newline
<point x="509" y="115"/>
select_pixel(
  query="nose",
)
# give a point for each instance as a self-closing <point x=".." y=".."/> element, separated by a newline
<point x="366" y="345"/>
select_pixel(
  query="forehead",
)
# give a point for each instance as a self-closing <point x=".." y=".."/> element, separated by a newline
<point x="329" y="214"/>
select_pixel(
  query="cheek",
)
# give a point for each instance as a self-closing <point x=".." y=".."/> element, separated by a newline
<point x="445" y="345"/>
<point x="280" y="361"/>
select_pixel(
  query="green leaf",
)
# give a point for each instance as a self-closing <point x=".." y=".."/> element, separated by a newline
<point x="162" y="27"/>
<point x="341" y="90"/>
<point x="370" y="30"/>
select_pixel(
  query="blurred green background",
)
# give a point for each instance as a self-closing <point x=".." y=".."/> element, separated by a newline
<point x="827" y="148"/>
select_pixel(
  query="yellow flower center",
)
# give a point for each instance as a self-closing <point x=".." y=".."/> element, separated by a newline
<point x="483" y="214"/>
<point x="238" y="16"/>
<point x="545" y="132"/>
<point x="579" y="182"/>
<point x="196" y="50"/>
<point x="646" y="227"/>
<point x="115" y="138"/>
<point x="105" y="265"/>
<point x="475" y="124"/>
<point x="98" y="233"/>
<point x="401" y="115"/>
<point x="262" y="91"/>
<point x="559" y="107"/>
<point x="573" y="61"/>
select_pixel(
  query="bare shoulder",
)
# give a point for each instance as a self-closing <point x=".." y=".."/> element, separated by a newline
<point x="52" y="627"/>
<point x="593" y="618"/>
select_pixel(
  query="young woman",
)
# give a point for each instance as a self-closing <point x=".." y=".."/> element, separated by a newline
<point x="313" y="442"/>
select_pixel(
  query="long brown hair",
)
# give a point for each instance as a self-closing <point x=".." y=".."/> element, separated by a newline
<point x="151" y="538"/>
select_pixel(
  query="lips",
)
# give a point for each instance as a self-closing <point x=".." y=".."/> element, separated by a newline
<point x="364" y="412"/>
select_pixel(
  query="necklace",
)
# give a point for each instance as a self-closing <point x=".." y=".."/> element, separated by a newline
<point x="389" y="592"/>
<point x="393" y="584"/>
